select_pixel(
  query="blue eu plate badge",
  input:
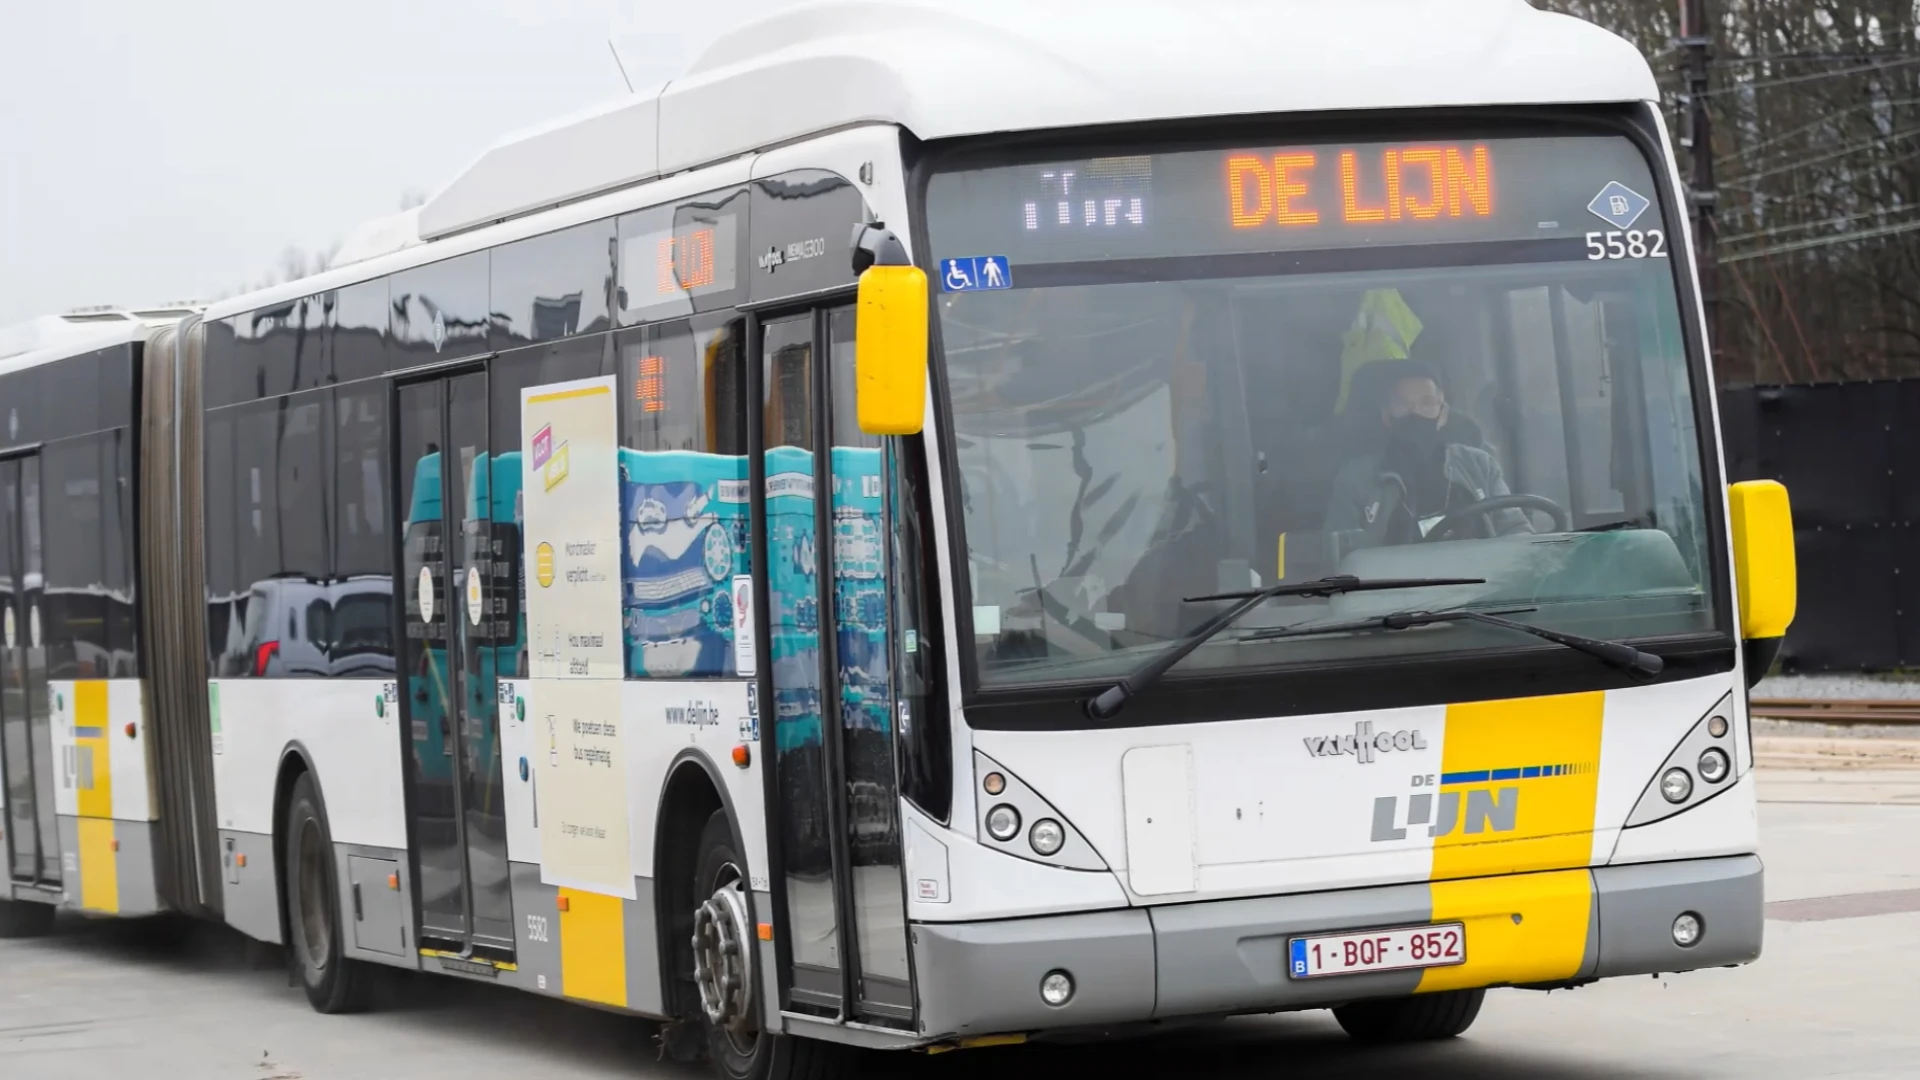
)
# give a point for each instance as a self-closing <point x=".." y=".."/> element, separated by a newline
<point x="1298" y="961"/>
<point x="975" y="274"/>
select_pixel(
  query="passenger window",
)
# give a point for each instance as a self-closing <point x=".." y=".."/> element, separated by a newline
<point x="685" y="529"/>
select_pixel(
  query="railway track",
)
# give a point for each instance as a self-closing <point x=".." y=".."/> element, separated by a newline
<point x="1838" y="711"/>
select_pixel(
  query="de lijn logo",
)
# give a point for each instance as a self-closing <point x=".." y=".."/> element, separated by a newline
<point x="1364" y="744"/>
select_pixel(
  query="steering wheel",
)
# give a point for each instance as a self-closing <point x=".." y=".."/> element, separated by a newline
<point x="1454" y="519"/>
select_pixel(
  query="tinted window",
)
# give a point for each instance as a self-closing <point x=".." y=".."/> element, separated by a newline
<point x="118" y="530"/>
<point x="802" y="222"/>
<point x="440" y="311"/>
<point x="301" y="488"/>
<point x="574" y="358"/>
<point x="362" y="540"/>
<point x="683" y="496"/>
<point x="220" y="382"/>
<point x="677" y="260"/>
<point x="116" y="388"/>
<point x="359" y="341"/>
<point x="552" y="286"/>
<point x="360" y="640"/>
<point x="279" y="349"/>
<point x="20" y="407"/>
<point x="75" y="559"/>
<point x="71" y="396"/>
<point x="223" y="530"/>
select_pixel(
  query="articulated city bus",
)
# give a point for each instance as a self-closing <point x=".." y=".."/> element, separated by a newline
<point x="938" y="528"/>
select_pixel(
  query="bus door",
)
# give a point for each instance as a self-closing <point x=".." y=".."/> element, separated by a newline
<point x="26" y="736"/>
<point x="457" y="816"/>
<point x="826" y="668"/>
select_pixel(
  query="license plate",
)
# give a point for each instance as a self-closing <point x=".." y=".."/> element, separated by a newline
<point x="1440" y="945"/>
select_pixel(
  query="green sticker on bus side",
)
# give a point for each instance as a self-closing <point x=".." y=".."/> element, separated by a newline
<point x="213" y="705"/>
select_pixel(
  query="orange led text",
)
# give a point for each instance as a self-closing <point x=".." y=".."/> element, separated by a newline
<point x="1413" y="183"/>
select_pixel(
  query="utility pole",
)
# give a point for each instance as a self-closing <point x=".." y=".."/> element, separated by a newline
<point x="1696" y="41"/>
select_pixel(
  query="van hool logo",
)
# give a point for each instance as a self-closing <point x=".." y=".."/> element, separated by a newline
<point x="1364" y="744"/>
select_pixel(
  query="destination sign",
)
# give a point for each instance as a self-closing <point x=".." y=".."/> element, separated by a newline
<point x="1243" y="199"/>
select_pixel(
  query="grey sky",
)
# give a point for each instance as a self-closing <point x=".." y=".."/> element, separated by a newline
<point x="156" y="150"/>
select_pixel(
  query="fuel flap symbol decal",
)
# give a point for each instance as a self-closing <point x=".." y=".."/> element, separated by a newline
<point x="1619" y="205"/>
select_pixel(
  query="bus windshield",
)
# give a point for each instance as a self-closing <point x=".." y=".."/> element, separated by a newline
<point x="1187" y="373"/>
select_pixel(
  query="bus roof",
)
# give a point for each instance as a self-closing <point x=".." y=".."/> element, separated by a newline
<point x="943" y="70"/>
<point x="52" y="338"/>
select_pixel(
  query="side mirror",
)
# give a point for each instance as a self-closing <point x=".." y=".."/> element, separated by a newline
<point x="890" y="335"/>
<point x="1765" y="576"/>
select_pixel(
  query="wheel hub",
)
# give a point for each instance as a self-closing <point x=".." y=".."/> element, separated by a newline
<point x="723" y="958"/>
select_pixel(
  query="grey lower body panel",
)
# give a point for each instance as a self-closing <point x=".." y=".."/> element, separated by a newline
<point x="250" y="890"/>
<point x="1225" y="957"/>
<point x="1639" y="903"/>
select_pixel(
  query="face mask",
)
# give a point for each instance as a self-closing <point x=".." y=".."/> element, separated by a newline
<point x="1415" y="432"/>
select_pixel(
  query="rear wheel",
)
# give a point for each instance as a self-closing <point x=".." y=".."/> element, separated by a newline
<point x="1420" y="1018"/>
<point x="334" y="984"/>
<point x="24" y="918"/>
<point x="723" y="968"/>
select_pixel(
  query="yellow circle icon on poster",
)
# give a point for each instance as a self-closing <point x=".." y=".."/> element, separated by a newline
<point x="543" y="564"/>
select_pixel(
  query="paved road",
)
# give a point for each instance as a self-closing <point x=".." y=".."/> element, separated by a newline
<point x="1834" y="996"/>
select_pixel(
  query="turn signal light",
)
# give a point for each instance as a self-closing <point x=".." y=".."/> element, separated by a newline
<point x="742" y="756"/>
<point x="130" y="729"/>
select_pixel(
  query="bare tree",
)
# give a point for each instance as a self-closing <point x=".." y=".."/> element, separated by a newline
<point x="1816" y="108"/>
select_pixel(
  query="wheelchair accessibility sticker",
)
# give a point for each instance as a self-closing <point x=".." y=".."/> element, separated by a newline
<point x="975" y="274"/>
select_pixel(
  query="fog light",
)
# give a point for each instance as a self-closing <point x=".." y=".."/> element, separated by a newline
<point x="1714" y="766"/>
<point x="1717" y="727"/>
<point x="1057" y="988"/>
<point x="1687" y="930"/>
<point x="1003" y="822"/>
<point x="994" y="783"/>
<point x="1047" y="837"/>
<point x="1676" y="785"/>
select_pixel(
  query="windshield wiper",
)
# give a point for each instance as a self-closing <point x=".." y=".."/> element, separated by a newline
<point x="1110" y="701"/>
<point x="1615" y="654"/>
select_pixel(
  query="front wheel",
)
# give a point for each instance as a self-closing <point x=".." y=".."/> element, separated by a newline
<point x="1421" y="1018"/>
<point x="25" y="918"/>
<point x="334" y="984"/>
<point x="723" y="968"/>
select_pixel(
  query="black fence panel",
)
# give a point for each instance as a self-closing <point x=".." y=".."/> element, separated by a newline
<point x="1849" y="455"/>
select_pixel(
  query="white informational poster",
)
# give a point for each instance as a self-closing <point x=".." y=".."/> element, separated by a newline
<point x="571" y="527"/>
<point x="582" y="790"/>
<point x="571" y="486"/>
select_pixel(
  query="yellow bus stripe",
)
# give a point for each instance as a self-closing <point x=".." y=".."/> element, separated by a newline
<point x="1519" y="785"/>
<point x="562" y="395"/>
<point x="94" y="769"/>
<point x="99" y="866"/>
<point x="1522" y="928"/>
<point x="593" y="947"/>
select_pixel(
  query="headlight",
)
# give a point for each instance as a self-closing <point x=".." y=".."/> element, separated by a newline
<point x="1675" y="786"/>
<point x="1714" y="766"/>
<point x="1003" y="822"/>
<point x="1047" y="837"/>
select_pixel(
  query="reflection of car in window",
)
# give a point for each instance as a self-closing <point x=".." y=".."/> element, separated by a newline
<point x="298" y="628"/>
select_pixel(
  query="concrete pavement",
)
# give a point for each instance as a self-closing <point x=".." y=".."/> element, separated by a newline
<point x="1834" y="995"/>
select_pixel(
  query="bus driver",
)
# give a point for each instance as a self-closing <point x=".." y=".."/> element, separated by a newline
<point x="1397" y="495"/>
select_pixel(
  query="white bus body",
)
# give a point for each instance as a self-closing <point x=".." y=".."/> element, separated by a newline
<point x="1147" y="387"/>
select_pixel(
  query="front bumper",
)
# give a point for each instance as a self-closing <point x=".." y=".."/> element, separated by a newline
<point x="1229" y="956"/>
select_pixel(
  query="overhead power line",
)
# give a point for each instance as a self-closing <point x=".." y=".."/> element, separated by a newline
<point x="1815" y="223"/>
<point x="1824" y="241"/>
<point x="1906" y="60"/>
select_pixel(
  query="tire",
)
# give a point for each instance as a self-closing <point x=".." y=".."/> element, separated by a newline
<point x="316" y="944"/>
<point x="24" y="918"/>
<point x="740" y="1051"/>
<point x="1421" y="1018"/>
